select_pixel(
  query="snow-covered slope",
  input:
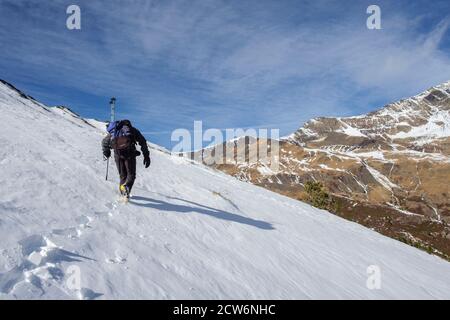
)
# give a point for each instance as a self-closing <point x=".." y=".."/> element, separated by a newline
<point x="188" y="232"/>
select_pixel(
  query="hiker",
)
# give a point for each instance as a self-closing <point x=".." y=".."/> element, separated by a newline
<point x="122" y="137"/>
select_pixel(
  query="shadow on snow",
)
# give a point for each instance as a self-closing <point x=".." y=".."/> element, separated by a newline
<point x="198" y="208"/>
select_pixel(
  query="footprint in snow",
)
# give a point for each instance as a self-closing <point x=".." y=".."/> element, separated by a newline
<point x="40" y="267"/>
<point x="76" y="231"/>
<point x="72" y="232"/>
<point x="120" y="257"/>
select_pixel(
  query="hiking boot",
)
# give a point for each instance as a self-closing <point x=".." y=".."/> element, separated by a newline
<point x="123" y="189"/>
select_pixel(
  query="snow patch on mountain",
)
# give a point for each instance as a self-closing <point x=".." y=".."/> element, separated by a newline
<point x="437" y="126"/>
<point x="349" y="130"/>
<point x="382" y="179"/>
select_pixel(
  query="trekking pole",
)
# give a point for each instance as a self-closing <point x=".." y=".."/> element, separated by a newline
<point x="107" y="168"/>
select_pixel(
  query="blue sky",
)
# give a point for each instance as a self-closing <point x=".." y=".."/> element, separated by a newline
<point x="260" y="64"/>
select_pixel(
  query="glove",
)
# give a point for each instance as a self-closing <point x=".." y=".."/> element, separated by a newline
<point x="107" y="153"/>
<point x="147" y="161"/>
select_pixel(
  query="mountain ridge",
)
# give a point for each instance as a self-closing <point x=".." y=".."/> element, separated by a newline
<point x="354" y="125"/>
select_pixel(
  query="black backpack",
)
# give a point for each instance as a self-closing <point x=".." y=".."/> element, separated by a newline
<point x="122" y="139"/>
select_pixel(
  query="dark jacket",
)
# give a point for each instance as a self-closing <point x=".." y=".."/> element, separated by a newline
<point x="137" y="138"/>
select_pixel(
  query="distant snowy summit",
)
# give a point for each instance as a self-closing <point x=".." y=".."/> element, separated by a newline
<point x="414" y="122"/>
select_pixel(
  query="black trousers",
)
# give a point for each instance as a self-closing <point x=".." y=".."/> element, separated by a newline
<point x="127" y="170"/>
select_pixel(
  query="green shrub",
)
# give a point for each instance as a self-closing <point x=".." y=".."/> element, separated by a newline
<point x="318" y="196"/>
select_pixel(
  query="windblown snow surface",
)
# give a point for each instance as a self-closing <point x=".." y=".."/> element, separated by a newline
<point x="189" y="232"/>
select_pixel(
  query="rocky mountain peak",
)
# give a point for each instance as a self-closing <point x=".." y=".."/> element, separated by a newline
<point x="424" y="116"/>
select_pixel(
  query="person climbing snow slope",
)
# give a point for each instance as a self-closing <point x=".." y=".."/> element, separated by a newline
<point x="122" y="138"/>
